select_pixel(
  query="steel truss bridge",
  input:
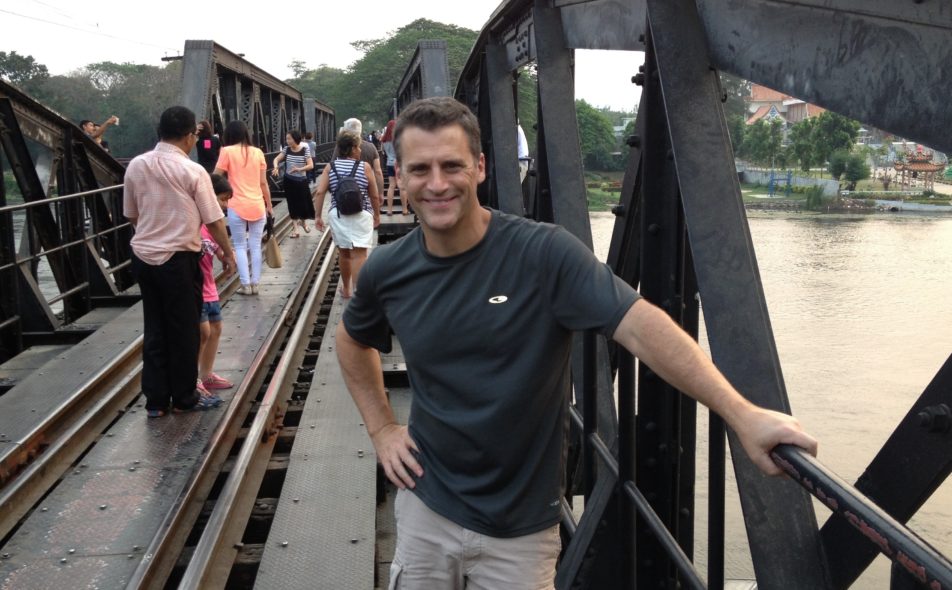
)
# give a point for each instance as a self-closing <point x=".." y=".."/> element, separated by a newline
<point x="680" y="235"/>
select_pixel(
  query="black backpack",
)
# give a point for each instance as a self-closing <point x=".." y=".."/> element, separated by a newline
<point x="347" y="195"/>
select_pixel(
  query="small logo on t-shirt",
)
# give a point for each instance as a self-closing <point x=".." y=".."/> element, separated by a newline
<point x="498" y="299"/>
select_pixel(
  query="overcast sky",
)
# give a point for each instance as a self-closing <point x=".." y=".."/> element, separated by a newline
<point x="65" y="35"/>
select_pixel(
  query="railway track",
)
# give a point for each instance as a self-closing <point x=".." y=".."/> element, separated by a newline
<point x="209" y="538"/>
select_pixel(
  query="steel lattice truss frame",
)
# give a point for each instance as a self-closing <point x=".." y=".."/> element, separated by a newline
<point x="222" y="86"/>
<point x="84" y="240"/>
<point x="427" y="75"/>
<point x="681" y="231"/>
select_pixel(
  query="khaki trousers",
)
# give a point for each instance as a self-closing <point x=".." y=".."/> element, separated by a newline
<point x="434" y="553"/>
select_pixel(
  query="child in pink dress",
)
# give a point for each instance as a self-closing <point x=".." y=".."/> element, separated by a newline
<point x="211" y="317"/>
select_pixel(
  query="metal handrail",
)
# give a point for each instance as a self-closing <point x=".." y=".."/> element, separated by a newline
<point x="891" y="537"/>
<point x="53" y="200"/>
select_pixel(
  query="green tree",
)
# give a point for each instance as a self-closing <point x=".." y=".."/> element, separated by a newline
<point x="596" y="137"/>
<point x="762" y="141"/>
<point x="856" y="170"/>
<point x="801" y="144"/>
<point x="833" y="132"/>
<point x="366" y="89"/>
<point x="19" y="69"/>
<point x="838" y="161"/>
<point x="136" y="93"/>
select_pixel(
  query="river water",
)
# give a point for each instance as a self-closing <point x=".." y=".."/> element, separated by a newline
<point x="862" y="319"/>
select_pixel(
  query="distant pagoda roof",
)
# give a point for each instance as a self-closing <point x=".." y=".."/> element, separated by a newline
<point x="919" y="161"/>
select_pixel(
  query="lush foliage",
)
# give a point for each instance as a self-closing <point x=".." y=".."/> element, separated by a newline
<point x="596" y="138"/>
<point x="366" y="89"/>
<point x="18" y="68"/>
<point x="135" y="93"/>
<point x="762" y="142"/>
<point x="832" y="132"/>
<point x="801" y="146"/>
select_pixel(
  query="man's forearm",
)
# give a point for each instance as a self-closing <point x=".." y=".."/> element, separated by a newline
<point x="652" y="336"/>
<point x="360" y="367"/>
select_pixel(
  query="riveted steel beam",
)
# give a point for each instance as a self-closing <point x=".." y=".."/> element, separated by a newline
<point x="735" y="310"/>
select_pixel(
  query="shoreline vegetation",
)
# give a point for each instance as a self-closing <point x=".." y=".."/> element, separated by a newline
<point x="603" y="190"/>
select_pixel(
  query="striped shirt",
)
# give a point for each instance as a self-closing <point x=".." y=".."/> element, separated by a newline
<point x="170" y="197"/>
<point x="343" y="168"/>
<point x="296" y="159"/>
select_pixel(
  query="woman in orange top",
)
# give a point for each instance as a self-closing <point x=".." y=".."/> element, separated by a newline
<point x="251" y="199"/>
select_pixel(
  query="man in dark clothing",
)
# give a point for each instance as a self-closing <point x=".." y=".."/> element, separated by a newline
<point x="484" y="305"/>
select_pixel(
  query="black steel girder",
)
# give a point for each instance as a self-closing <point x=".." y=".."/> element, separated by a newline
<point x="778" y="515"/>
<point x="427" y="75"/>
<point x="221" y="86"/>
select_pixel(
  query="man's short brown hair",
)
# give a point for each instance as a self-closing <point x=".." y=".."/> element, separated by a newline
<point x="430" y="114"/>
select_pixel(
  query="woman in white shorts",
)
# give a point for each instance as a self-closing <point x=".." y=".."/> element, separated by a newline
<point x="353" y="234"/>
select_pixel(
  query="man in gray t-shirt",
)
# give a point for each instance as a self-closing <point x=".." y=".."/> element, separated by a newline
<point x="484" y="305"/>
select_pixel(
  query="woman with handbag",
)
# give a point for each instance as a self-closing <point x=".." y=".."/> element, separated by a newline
<point x="353" y="233"/>
<point x="298" y="161"/>
<point x="251" y="200"/>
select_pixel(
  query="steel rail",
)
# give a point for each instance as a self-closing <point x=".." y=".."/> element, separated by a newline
<point x="929" y="567"/>
<point x="161" y="554"/>
<point x="70" y="441"/>
<point x="65" y="413"/>
<point x="214" y="553"/>
<point x="48" y="451"/>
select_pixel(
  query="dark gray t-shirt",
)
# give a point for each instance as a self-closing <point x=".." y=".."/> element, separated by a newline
<point x="487" y="336"/>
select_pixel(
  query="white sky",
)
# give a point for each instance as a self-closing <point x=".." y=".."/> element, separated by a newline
<point x="66" y="35"/>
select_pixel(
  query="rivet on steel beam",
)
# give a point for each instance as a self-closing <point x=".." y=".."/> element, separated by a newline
<point x="670" y="154"/>
<point x="44" y="509"/>
<point x="936" y="418"/>
<point x="360" y="452"/>
<point x="5" y="556"/>
<point x="136" y="548"/>
<point x="638" y="79"/>
<point x="64" y="560"/>
<point x="130" y="556"/>
<point x="102" y="506"/>
<point x="353" y="541"/>
<point x="654" y="228"/>
<point x="641" y="38"/>
<point x="633" y="141"/>
<point x="655" y="75"/>
<point x="238" y="545"/>
<point x="641" y="68"/>
<point x="618" y="210"/>
<point x="284" y="543"/>
<point x="132" y="469"/>
<point x="71" y="551"/>
<point x="296" y="500"/>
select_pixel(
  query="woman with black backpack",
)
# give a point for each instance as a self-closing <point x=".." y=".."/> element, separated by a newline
<point x="350" y="213"/>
